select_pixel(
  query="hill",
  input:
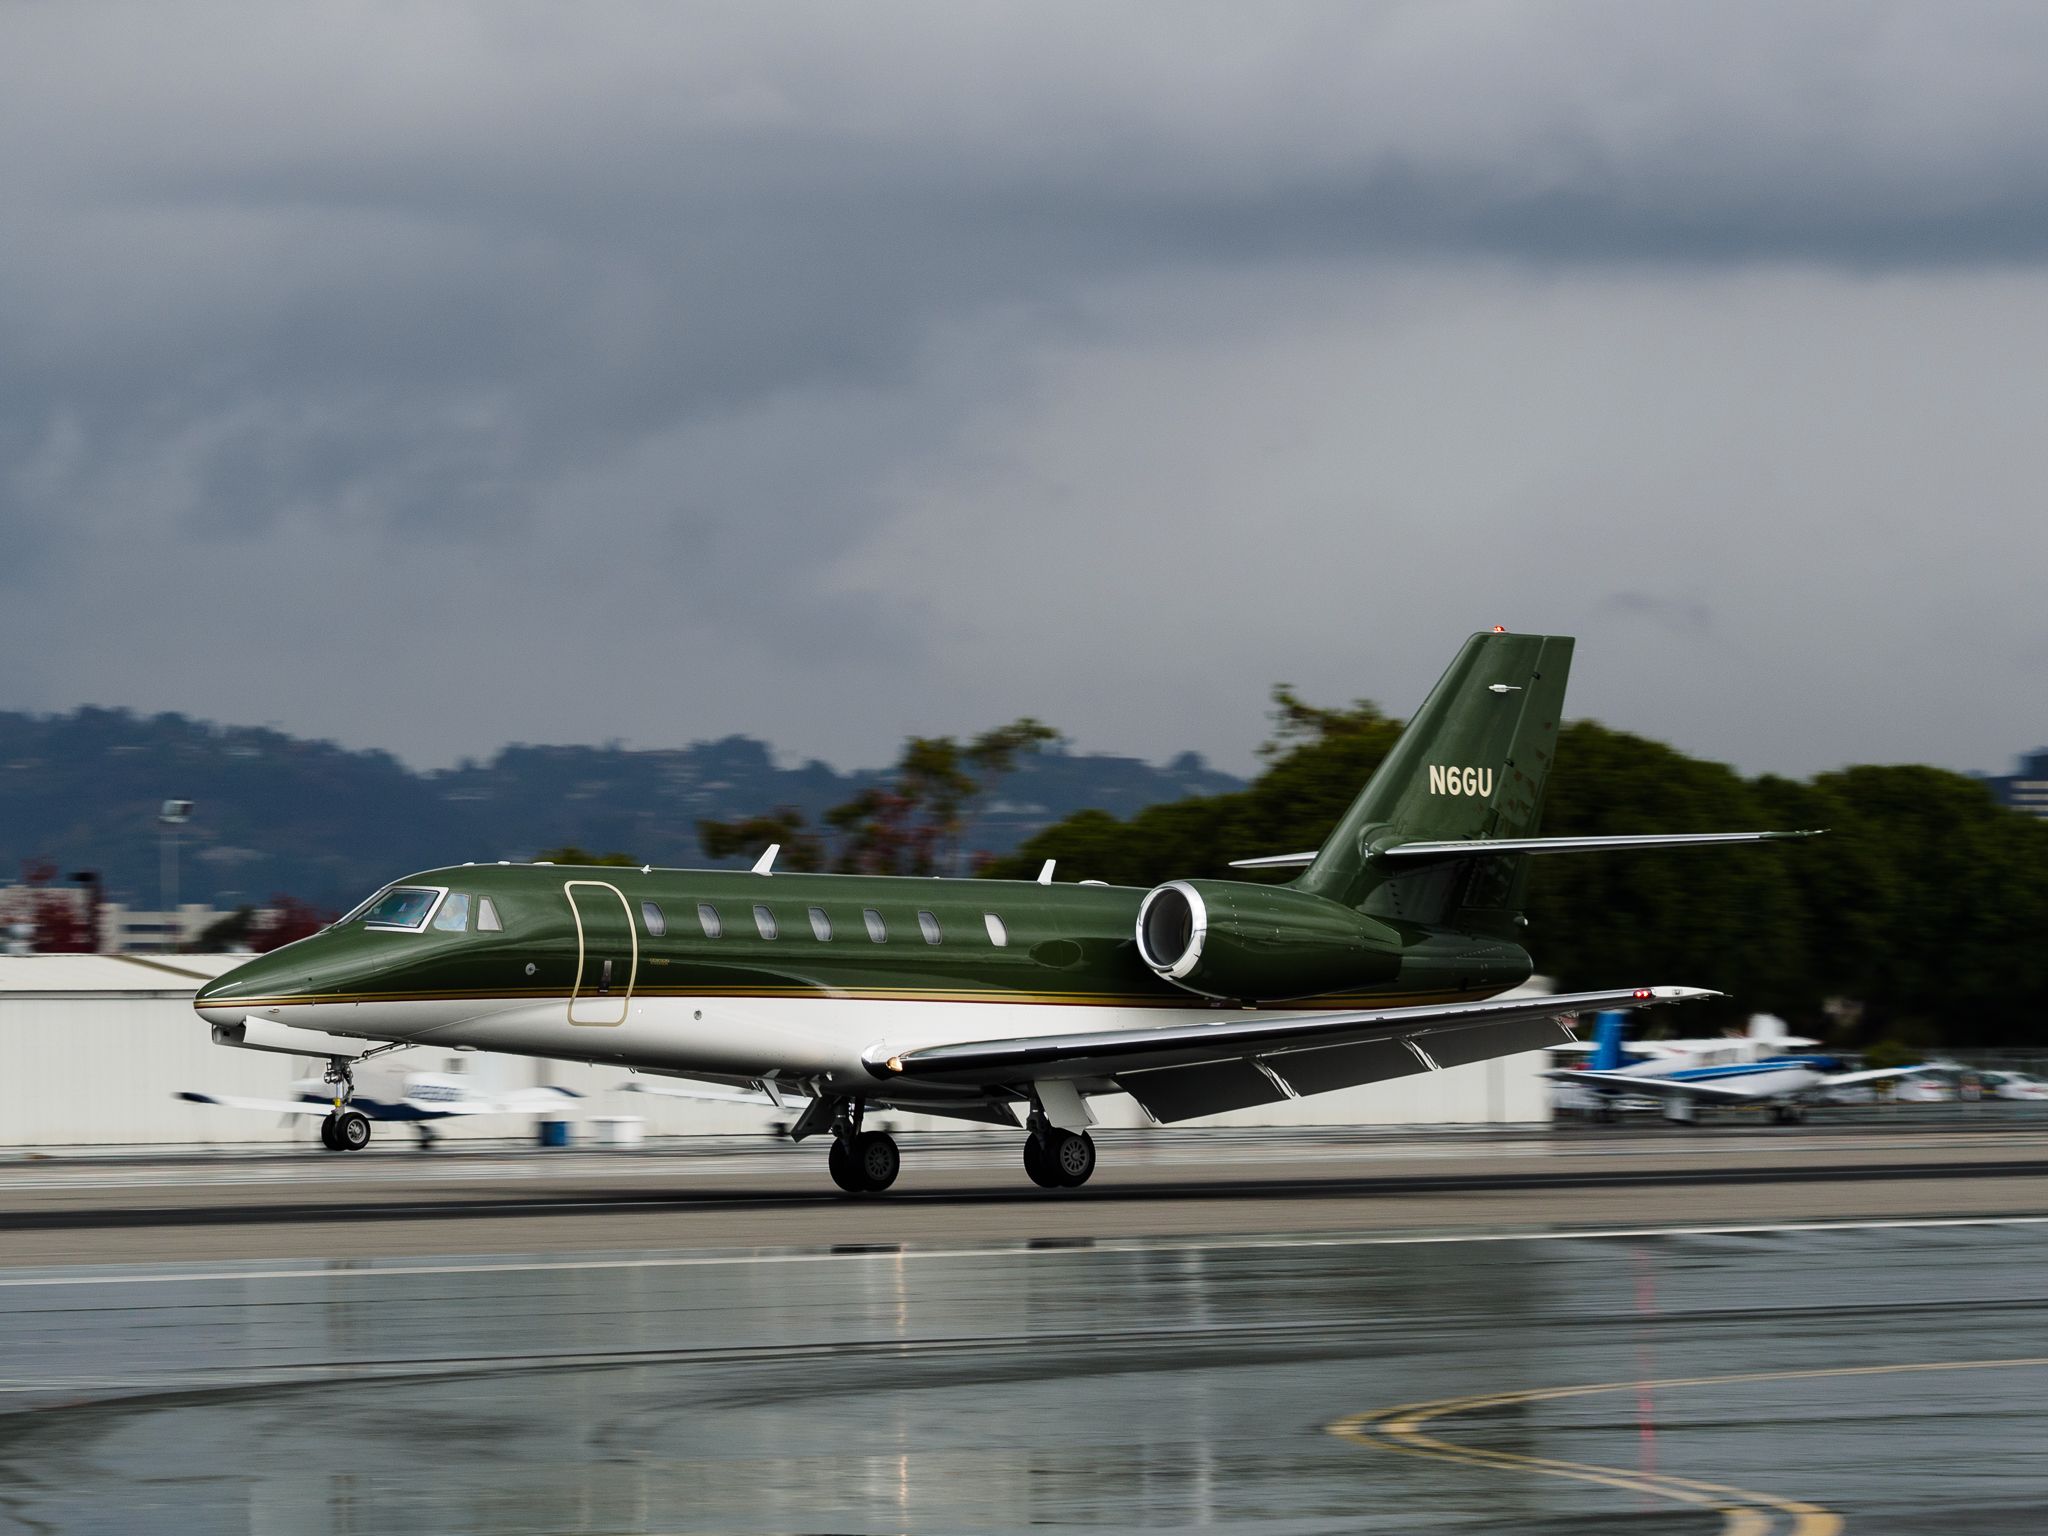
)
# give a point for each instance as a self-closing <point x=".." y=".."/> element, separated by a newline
<point x="278" y="813"/>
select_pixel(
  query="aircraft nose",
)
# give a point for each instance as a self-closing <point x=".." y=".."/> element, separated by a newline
<point x="220" y="1001"/>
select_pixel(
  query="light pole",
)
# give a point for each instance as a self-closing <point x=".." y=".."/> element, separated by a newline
<point x="175" y="814"/>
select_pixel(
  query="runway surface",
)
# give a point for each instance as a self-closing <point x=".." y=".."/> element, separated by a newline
<point x="1375" y="1355"/>
<point x="736" y="1193"/>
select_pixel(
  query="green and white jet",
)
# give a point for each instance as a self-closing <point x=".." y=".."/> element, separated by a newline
<point x="987" y="1000"/>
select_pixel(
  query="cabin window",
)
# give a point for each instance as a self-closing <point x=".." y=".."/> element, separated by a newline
<point x="998" y="935"/>
<point x="821" y="925"/>
<point x="707" y="919"/>
<point x="877" y="929"/>
<point x="454" y="914"/>
<point x="929" y="926"/>
<point x="656" y="920"/>
<point x="403" y="906"/>
<point x="765" y="921"/>
<point x="487" y="916"/>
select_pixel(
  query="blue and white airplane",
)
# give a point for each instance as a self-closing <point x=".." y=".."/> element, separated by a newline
<point x="1764" y="1067"/>
<point x="417" y="1099"/>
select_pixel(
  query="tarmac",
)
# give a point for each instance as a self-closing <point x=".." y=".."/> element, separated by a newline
<point x="1747" y="1332"/>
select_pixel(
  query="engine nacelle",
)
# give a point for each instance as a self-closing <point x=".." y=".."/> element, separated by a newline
<point x="1260" y="943"/>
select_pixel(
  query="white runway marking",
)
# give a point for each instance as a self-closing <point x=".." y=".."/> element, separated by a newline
<point x="322" y="1270"/>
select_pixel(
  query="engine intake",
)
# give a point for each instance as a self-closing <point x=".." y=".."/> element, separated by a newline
<point x="1260" y="943"/>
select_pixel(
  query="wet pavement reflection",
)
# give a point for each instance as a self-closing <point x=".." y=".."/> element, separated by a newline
<point x="1122" y="1387"/>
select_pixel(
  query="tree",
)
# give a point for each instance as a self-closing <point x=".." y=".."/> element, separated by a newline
<point x="60" y="919"/>
<point x="571" y="854"/>
<point x="801" y="849"/>
<point x="914" y="824"/>
<point x="1917" y="916"/>
<point x="288" y="920"/>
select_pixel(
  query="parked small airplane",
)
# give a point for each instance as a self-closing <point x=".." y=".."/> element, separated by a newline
<point x="978" y="999"/>
<point x="417" y="1099"/>
<point x="1761" y="1067"/>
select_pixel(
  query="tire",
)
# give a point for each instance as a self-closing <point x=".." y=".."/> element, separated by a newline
<point x="352" y="1130"/>
<point x="327" y="1134"/>
<point x="844" y="1174"/>
<point x="877" y="1160"/>
<point x="1037" y="1164"/>
<point x="1073" y="1158"/>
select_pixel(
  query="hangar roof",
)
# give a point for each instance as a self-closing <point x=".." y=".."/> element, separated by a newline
<point x="105" y="975"/>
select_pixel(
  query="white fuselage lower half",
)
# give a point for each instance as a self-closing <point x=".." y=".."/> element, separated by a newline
<point x="814" y="1040"/>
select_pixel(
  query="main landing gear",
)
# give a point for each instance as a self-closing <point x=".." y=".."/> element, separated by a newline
<point x="344" y="1129"/>
<point x="862" y="1162"/>
<point x="1057" y="1159"/>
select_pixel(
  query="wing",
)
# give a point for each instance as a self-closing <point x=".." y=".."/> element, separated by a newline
<point x="1660" y="1087"/>
<point x="1874" y="1075"/>
<point x="1178" y="1071"/>
<point x="266" y="1106"/>
<point x="685" y="1088"/>
<point x="521" y="1101"/>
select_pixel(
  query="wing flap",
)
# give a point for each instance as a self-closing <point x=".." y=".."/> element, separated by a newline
<point x="1328" y="1067"/>
<point x="1206" y="1088"/>
<point x="1461" y="1047"/>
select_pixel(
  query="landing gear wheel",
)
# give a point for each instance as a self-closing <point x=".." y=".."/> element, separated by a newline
<point x="864" y="1164"/>
<point x="327" y="1134"/>
<point x="1073" y="1158"/>
<point x="876" y="1158"/>
<point x="844" y="1174"/>
<point x="351" y="1130"/>
<point x="1787" y="1114"/>
<point x="1057" y="1159"/>
<point x="1037" y="1164"/>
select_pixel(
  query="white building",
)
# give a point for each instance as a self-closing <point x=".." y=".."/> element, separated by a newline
<point x="95" y="1048"/>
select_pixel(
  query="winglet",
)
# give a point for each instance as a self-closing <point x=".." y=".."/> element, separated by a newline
<point x="765" y="865"/>
<point x="1045" y="872"/>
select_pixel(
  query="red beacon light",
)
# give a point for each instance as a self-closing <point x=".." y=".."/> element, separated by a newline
<point x="1500" y="629"/>
<point x="1642" y="993"/>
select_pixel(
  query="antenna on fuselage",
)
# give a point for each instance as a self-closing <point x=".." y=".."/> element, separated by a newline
<point x="1045" y="872"/>
<point x="765" y="865"/>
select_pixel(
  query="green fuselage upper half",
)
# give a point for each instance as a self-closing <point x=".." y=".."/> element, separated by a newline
<point x="524" y="933"/>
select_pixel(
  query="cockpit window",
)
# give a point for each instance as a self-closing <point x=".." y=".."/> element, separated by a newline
<point x="363" y="906"/>
<point x="454" y="914"/>
<point x="487" y="916"/>
<point x="403" y="906"/>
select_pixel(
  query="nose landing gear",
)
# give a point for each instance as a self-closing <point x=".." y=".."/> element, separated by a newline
<point x="344" y="1129"/>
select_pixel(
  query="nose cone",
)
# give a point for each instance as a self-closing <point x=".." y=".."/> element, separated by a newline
<point x="226" y="998"/>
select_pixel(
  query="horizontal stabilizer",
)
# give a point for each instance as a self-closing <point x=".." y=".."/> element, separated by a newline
<point x="1277" y="861"/>
<point x="1470" y="848"/>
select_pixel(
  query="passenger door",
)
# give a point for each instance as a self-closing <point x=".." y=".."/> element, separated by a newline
<point x="607" y="952"/>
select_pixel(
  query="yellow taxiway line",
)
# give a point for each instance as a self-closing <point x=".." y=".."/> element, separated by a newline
<point x="1743" y="1512"/>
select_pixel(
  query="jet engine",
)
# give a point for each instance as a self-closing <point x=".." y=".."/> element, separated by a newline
<point x="1241" y="942"/>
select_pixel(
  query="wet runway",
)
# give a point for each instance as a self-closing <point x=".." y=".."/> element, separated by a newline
<point x="969" y="1187"/>
<point x="1860" y="1378"/>
<point x="1806" y="1331"/>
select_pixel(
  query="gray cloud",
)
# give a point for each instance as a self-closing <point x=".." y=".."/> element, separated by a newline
<point x="434" y="378"/>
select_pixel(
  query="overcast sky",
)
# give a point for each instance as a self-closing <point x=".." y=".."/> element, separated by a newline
<point x="430" y="377"/>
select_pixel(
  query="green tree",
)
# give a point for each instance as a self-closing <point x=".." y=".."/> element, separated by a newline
<point x="914" y="824"/>
<point x="571" y="854"/>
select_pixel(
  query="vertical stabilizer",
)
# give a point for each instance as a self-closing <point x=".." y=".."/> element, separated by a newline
<point x="1608" y="1030"/>
<point x="1472" y="764"/>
